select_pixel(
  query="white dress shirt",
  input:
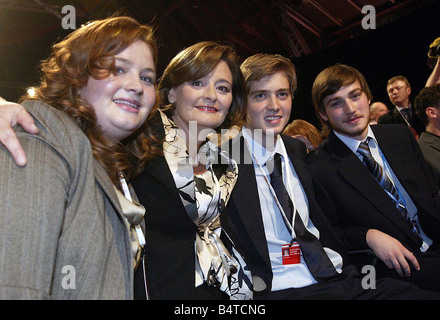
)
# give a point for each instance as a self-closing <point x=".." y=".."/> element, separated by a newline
<point x="277" y="234"/>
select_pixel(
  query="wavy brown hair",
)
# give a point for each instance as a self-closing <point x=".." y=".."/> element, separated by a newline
<point x="197" y="61"/>
<point x="328" y="82"/>
<point x="90" y="52"/>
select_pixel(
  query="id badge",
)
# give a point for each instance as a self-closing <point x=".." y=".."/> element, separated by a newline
<point x="291" y="253"/>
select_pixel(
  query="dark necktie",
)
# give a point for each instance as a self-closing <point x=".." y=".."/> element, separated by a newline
<point x="407" y="115"/>
<point x="382" y="178"/>
<point x="314" y="255"/>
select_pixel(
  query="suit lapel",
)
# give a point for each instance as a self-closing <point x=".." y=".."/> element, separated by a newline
<point x="401" y="164"/>
<point x="300" y="169"/>
<point x="103" y="180"/>
<point x="246" y="188"/>
<point x="158" y="169"/>
<point x="101" y="177"/>
<point x="397" y="161"/>
<point x="355" y="173"/>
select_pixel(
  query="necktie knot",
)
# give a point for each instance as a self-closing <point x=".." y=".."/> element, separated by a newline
<point x="364" y="149"/>
<point x="276" y="171"/>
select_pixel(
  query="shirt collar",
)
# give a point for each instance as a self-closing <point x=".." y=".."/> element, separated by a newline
<point x="400" y="108"/>
<point x="259" y="152"/>
<point x="353" y="144"/>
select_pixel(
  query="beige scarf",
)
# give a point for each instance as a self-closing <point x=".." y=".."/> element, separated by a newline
<point x="214" y="263"/>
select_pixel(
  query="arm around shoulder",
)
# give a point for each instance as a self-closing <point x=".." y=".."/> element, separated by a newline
<point x="12" y="114"/>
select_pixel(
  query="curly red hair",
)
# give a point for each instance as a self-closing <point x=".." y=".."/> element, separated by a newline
<point x="89" y="52"/>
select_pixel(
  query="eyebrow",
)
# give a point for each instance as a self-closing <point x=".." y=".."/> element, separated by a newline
<point x="224" y="80"/>
<point x="129" y="62"/>
<point x="339" y="97"/>
<point x="390" y="88"/>
<point x="266" y="91"/>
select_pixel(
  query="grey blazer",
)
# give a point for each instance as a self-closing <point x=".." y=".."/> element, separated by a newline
<point x="62" y="233"/>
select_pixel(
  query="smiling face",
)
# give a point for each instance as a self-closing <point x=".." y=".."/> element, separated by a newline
<point x="123" y="100"/>
<point x="348" y="111"/>
<point x="269" y="106"/>
<point x="206" y="100"/>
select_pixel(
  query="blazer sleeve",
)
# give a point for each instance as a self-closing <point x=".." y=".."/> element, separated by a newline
<point x="32" y="213"/>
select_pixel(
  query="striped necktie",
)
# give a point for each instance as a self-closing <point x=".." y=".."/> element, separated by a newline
<point x="382" y="178"/>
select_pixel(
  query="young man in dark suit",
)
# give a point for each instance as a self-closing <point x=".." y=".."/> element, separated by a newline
<point x="288" y="244"/>
<point x="385" y="196"/>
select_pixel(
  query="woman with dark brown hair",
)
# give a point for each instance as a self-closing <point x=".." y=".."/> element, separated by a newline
<point x="186" y="189"/>
<point x="77" y="235"/>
